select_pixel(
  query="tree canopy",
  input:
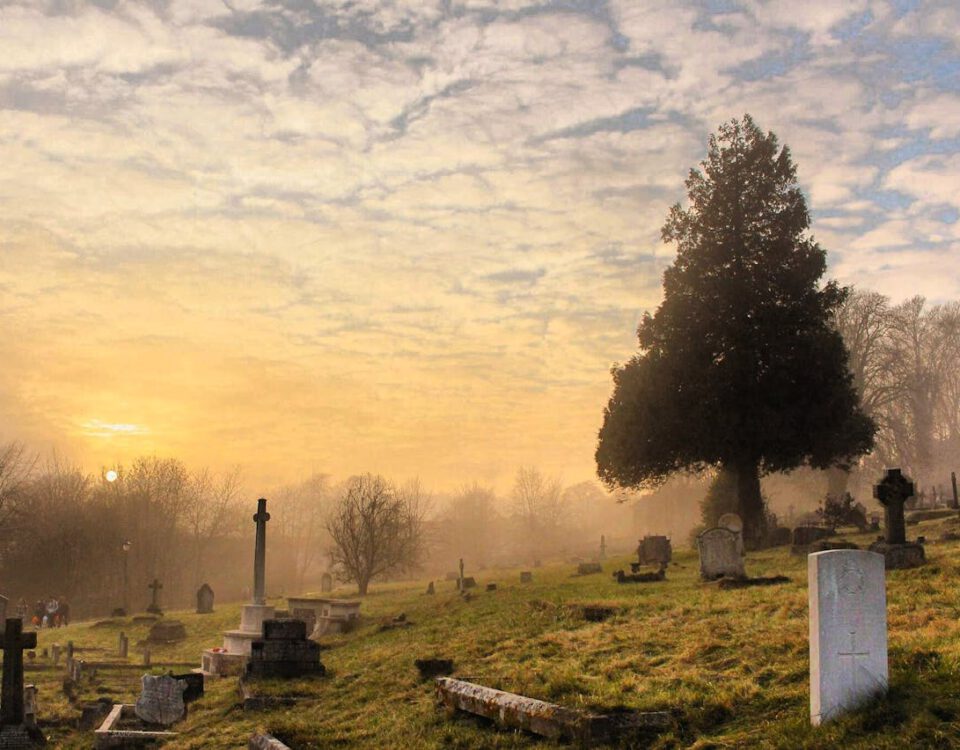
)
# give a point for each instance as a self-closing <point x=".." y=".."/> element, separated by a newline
<point x="740" y="366"/>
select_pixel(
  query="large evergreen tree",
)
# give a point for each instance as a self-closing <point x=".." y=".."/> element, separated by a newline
<point x="739" y="367"/>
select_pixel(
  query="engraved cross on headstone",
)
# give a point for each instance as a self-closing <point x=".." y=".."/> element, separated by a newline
<point x="154" y="595"/>
<point x="13" y="643"/>
<point x="852" y="654"/>
<point x="260" y="553"/>
<point x="893" y="491"/>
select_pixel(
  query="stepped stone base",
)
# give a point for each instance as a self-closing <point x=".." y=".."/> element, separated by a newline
<point x="899" y="556"/>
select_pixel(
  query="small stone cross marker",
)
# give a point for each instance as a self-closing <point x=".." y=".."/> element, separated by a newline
<point x="13" y="643"/>
<point x="155" y="593"/>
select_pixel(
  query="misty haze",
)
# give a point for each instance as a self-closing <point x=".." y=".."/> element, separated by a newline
<point x="479" y="374"/>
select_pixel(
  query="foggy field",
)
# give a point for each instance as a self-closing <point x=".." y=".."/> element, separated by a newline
<point x="730" y="664"/>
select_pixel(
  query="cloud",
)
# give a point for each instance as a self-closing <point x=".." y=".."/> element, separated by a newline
<point x="412" y="237"/>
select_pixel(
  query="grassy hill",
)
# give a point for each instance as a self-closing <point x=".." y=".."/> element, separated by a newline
<point x="730" y="664"/>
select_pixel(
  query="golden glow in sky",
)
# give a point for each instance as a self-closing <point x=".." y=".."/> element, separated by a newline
<point x="412" y="238"/>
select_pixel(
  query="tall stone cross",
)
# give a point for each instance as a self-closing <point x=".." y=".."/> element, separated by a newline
<point x="154" y="595"/>
<point x="260" y="553"/>
<point x="13" y="643"/>
<point x="893" y="491"/>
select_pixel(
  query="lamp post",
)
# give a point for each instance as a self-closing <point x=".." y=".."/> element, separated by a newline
<point x="126" y="581"/>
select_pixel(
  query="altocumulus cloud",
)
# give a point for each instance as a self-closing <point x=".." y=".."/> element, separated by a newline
<point x="412" y="237"/>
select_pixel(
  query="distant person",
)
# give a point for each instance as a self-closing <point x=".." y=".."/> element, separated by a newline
<point x="39" y="610"/>
<point x="63" y="613"/>
<point x="52" y="606"/>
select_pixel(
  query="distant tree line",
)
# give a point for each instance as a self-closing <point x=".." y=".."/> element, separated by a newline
<point x="99" y="539"/>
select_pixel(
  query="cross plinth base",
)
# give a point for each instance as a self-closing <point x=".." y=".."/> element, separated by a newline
<point x="899" y="556"/>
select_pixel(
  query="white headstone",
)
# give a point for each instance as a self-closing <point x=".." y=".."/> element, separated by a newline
<point x="721" y="554"/>
<point x="848" y="630"/>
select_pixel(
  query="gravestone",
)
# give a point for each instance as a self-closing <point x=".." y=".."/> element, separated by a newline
<point x="167" y="631"/>
<point x="526" y="576"/>
<point x="430" y="589"/>
<point x="3" y="608"/>
<point x="161" y="699"/>
<point x="284" y="651"/>
<point x="154" y="607"/>
<point x="55" y="654"/>
<point x="893" y="492"/>
<point x="589" y="568"/>
<point x="204" y="600"/>
<point x="326" y="583"/>
<point x="848" y="631"/>
<point x="654" y="550"/>
<point x="468" y="583"/>
<point x="123" y="646"/>
<point x="14" y="731"/>
<point x="721" y="554"/>
<point x="30" y="706"/>
<point x="956" y="498"/>
<point x="460" y="578"/>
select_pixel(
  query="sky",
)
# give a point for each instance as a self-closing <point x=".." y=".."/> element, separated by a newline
<point x="413" y="237"/>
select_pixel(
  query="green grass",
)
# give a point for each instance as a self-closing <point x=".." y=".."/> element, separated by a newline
<point x="731" y="665"/>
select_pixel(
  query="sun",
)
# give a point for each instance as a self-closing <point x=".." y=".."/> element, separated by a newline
<point x="110" y="476"/>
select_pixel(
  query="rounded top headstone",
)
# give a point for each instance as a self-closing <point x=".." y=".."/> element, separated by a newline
<point x="731" y="521"/>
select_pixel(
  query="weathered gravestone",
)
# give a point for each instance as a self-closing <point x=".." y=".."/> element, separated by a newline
<point x="123" y="646"/>
<point x="893" y="491"/>
<point x="154" y="607"/>
<point x="848" y="631"/>
<point x="14" y="730"/>
<point x="431" y="590"/>
<point x="167" y="631"/>
<point x="204" y="600"/>
<point x="654" y="550"/>
<point x="526" y="576"/>
<point x="721" y="554"/>
<point x="589" y="568"/>
<point x="161" y="699"/>
<point x="326" y="583"/>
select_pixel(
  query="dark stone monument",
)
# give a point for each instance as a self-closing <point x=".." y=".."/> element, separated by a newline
<point x="14" y="731"/>
<point x="460" y="579"/>
<point x="123" y="646"/>
<point x="468" y="583"/>
<point x="526" y="576"/>
<point x="956" y="499"/>
<point x="654" y="550"/>
<point x="585" y="569"/>
<point x="893" y="492"/>
<point x="204" y="600"/>
<point x="284" y="651"/>
<point x="430" y="589"/>
<point x="154" y="607"/>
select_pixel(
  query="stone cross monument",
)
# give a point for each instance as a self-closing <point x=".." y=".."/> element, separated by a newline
<point x="154" y="607"/>
<point x="232" y="658"/>
<point x="13" y="730"/>
<point x="893" y="491"/>
<point x="260" y="552"/>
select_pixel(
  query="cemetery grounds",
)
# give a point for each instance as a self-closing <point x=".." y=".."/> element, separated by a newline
<point x="731" y="665"/>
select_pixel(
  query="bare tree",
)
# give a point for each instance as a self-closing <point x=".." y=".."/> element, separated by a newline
<point x="375" y="530"/>
<point x="538" y="507"/>
<point x="301" y="510"/>
<point x="16" y="467"/>
<point x="208" y="512"/>
<point x="467" y="525"/>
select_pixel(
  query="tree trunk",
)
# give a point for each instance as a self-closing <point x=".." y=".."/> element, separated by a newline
<point x="362" y="586"/>
<point x="750" y="503"/>
<point x="837" y="481"/>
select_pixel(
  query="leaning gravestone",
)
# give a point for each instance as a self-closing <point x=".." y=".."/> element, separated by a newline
<point x="326" y="583"/>
<point x="204" y="600"/>
<point x="654" y="550"/>
<point x="721" y="554"/>
<point x="161" y="699"/>
<point x="848" y="631"/>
